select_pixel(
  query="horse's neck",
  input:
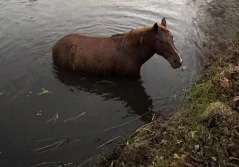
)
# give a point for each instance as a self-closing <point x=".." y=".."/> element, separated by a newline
<point x="140" y="49"/>
<point x="144" y="54"/>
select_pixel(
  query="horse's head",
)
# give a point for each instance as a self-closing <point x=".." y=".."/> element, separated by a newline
<point x="164" y="44"/>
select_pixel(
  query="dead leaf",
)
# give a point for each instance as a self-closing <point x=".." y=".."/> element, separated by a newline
<point x="183" y="157"/>
<point x="184" y="68"/>
<point x="236" y="98"/>
<point x="236" y="68"/>
<point x="214" y="159"/>
<point x="192" y="134"/>
<point x="224" y="83"/>
<point x="233" y="150"/>
<point x="237" y="130"/>
<point x="188" y="165"/>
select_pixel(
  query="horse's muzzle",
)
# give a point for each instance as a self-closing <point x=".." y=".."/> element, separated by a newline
<point x="177" y="65"/>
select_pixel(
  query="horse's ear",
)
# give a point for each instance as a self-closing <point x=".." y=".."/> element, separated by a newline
<point x="163" y="22"/>
<point x="155" y="27"/>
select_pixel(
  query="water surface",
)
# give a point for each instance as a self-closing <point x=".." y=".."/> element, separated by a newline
<point x="78" y="114"/>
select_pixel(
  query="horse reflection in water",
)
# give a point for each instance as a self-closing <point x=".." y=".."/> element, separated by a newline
<point x="129" y="91"/>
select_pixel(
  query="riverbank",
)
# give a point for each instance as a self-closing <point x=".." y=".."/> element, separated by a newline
<point x="205" y="129"/>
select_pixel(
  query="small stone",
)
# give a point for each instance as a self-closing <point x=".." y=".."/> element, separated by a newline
<point x="161" y="158"/>
<point x="39" y="113"/>
<point x="184" y="68"/>
<point x="175" y="156"/>
<point x="164" y="142"/>
<point x="237" y="108"/>
<point x="214" y="159"/>
<point x="235" y="99"/>
<point x="196" y="147"/>
<point x="225" y="82"/>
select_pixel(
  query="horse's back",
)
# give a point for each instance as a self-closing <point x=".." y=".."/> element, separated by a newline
<point x="83" y="53"/>
<point x="94" y="55"/>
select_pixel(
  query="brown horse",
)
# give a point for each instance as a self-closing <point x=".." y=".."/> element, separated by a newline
<point x="120" y="54"/>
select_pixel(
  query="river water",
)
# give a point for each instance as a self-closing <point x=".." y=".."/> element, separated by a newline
<point x="49" y="116"/>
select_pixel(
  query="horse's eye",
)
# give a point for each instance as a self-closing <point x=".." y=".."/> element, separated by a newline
<point x="161" y="41"/>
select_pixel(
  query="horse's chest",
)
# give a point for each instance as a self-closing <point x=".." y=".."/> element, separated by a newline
<point x="127" y="67"/>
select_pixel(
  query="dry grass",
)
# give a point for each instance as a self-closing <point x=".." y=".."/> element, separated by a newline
<point x="204" y="132"/>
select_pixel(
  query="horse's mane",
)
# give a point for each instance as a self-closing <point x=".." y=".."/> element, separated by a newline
<point x="136" y="36"/>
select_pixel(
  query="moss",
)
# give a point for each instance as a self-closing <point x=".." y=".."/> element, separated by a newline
<point x="204" y="131"/>
<point x="199" y="133"/>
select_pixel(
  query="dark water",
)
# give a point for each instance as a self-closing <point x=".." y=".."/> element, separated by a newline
<point x="82" y="113"/>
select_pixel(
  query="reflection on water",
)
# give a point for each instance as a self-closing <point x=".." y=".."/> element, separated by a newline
<point x="80" y="113"/>
<point x="127" y="90"/>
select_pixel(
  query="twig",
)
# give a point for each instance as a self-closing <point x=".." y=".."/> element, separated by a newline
<point x="87" y="160"/>
<point x="124" y="123"/>
<point x="234" y="45"/>
<point x="41" y="148"/>
<point x="230" y="164"/>
<point x="105" y="81"/>
<point x="77" y="136"/>
<point x="233" y="158"/>
<point x="60" y="144"/>
<point x="144" y="126"/>
<point x="70" y="119"/>
<point x="44" y="91"/>
<point x="43" y="163"/>
<point x="54" y="118"/>
<point x="52" y="138"/>
<point x="195" y="159"/>
<point x="60" y="147"/>
<point x="109" y="141"/>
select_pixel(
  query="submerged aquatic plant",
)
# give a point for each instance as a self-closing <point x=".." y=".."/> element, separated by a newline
<point x="44" y="91"/>
<point x="53" y="119"/>
<point x="74" y="118"/>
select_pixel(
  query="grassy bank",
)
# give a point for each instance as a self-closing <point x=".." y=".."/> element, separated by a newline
<point x="205" y="130"/>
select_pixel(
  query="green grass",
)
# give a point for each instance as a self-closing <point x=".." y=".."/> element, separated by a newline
<point x="205" y="118"/>
<point x="200" y="132"/>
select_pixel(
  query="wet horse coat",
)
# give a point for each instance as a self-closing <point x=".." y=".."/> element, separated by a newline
<point x="120" y="54"/>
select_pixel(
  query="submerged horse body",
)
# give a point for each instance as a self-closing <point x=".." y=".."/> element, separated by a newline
<point x="120" y="54"/>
